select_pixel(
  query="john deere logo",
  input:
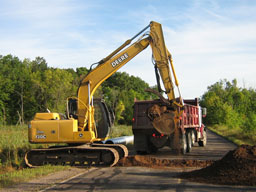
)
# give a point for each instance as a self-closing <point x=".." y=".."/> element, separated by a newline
<point x="119" y="60"/>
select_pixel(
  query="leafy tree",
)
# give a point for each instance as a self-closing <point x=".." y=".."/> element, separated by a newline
<point x="249" y="124"/>
<point x="230" y="105"/>
<point x="119" y="109"/>
<point x="81" y="72"/>
<point x="52" y="87"/>
<point x="14" y="76"/>
<point x="6" y="86"/>
<point x="39" y="64"/>
<point x="27" y="87"/>
<point x="120" y="90"/>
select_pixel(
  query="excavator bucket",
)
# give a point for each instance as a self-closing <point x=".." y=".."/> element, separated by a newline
<point x="162" y="119"/>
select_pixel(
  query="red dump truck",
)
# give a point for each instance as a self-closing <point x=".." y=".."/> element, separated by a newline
<point x="190" y="128"/>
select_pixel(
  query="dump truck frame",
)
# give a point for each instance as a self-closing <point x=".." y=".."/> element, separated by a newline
<point x="190" y="128"/>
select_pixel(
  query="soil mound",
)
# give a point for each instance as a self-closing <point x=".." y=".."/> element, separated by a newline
<point x="147" y="161"/>
<point x="237" y="167"/>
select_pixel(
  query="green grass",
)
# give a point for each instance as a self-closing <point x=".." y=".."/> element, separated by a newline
<point x="13" y="147"/>
<point x="121" y="130"/>
<point x="236" y="135"/>
<point x="16" y="176"/>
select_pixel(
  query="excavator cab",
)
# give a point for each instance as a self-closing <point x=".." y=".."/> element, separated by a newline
<point x="103" y="117"/>
<point x="72" y="108"/>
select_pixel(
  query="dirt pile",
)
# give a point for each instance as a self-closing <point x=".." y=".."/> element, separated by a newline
<point x="237" y="167"/>
<point x="147" y="161"/>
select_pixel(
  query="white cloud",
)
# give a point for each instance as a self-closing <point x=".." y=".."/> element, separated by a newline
<point x="216" y="42"/>
<point x="204" y="54"/>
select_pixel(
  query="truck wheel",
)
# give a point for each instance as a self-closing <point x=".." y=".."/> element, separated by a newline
<point x="140" y="142"/>
<point x="183" y="142"/>
<point x="152" y="148"/>
<point x="204" y="141"/>
<point x="189" y="141"/>
<point x="193" y="137"/>
<point x="141" y="152"/>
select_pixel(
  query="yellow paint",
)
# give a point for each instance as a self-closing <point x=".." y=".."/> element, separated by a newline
<point x="46" y="116"/>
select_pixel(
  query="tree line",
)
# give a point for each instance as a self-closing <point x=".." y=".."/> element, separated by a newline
<point x="230" y="105"/>
<point x="31" y="86"/>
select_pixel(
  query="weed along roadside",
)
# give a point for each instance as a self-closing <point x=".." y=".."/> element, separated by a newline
<point x="13" y="147"/>
<point x="236" y="135"/>
<point x="15" y="176"/>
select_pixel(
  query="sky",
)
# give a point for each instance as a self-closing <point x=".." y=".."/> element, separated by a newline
<point x="209" y="40"/>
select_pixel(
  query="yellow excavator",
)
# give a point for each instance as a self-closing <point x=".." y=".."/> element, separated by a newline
<point x="87" y="120"/>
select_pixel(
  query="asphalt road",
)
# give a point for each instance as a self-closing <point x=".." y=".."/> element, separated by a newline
<point x="148" y="179"/>
<point x="215" y="149"/>
<point x="137" y="179"/>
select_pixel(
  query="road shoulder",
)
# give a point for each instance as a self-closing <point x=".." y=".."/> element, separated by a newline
<point x="46" y="181"/>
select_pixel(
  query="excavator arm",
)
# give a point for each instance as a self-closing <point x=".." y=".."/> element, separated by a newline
<point x="109" y="65"/>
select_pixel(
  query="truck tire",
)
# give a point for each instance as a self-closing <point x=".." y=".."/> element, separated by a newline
<point x="140" y="143"/>
<point x="204" y="141"/>
<point x="183" y="144"/>
<point x="189" y="141"/>
<point x="193" y="137"/>
<point x="151" y="148"/>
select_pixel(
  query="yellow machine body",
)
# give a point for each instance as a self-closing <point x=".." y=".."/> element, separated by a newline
<point x="48" y="128"/>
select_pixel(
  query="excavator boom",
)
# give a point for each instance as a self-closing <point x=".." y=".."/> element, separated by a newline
<point x="115" y="61"/>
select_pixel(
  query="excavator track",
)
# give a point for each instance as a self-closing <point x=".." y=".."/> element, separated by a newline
<point x="86" y="155"/>
<point x="121" y="149"/>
